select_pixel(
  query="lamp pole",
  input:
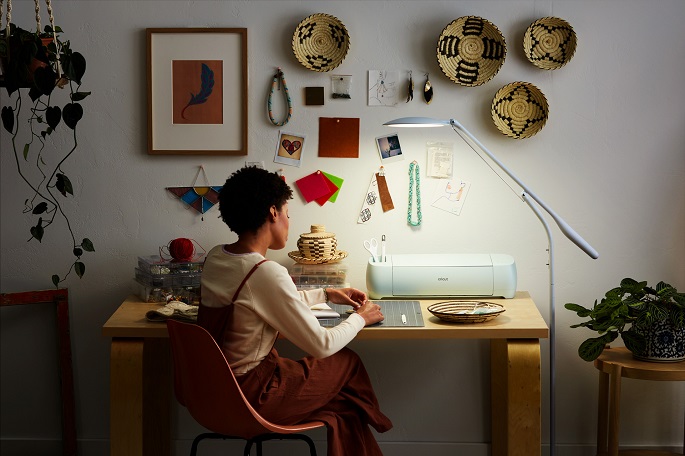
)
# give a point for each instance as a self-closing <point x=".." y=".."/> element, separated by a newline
<point x="527" y="196"/>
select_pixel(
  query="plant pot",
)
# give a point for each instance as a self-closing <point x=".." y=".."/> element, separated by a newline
<point x="24" y="77"/>
<point x="665" y="343"/>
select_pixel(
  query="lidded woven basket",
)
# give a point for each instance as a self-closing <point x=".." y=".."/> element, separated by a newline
<point x="317" y="247"/>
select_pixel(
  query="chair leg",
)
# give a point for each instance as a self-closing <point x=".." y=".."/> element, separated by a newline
<point x="264" y="437"/>
<point x="211" y="435"/>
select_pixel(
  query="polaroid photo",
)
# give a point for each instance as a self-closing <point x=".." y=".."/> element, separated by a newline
<point x="389" y="148"/>
<point x="289" y="149"/>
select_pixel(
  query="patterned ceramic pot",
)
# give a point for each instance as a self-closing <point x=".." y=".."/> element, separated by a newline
<point x="665" y="343"/>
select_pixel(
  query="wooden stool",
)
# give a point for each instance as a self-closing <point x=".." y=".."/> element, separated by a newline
<point x="613" y="364"/>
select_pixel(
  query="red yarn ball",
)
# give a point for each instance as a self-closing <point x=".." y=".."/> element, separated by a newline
<point x="182" y="249"/>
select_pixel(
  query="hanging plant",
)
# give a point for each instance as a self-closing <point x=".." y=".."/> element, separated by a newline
<point x="34" y="64"/>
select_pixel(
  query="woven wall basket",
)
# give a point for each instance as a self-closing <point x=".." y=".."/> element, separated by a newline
<point x="471" y="50"/>
<point x="519" y="110"/>
<point x="321" y="42"/>
<point x="549" y="43"/>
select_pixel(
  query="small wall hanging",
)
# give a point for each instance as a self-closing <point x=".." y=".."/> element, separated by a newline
<point x="201" y="198"/>
<point x="428" y="90"/>
<point x="341" y="86"/>
<point x="471" y="50"/>
<point x="320" y="42"/>
<point x="519" y="110"/>
<point x="549" y="43"/>
<point x="370" y="201"/>
<point x="410" y="89"/>
<point x="279" y="80"/>
<point x="313" y="96"/>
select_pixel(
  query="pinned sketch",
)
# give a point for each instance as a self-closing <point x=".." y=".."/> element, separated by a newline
<point x="449" y="195"/>
<point x="383" y="87"/>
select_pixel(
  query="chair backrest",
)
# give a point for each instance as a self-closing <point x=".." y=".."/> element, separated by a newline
<point x="204" y="383"/>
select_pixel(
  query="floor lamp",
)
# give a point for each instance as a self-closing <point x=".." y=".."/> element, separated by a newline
<point x="528" y="197"/>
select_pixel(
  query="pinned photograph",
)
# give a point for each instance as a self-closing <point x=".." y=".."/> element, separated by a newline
<point x="289" y="149"/>
<point x="389" y="148"/>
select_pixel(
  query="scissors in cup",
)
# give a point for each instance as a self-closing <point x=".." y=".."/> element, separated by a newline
<point x="372" y="247"/>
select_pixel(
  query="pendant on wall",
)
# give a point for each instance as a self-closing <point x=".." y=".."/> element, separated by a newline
<point x="428" y="90"/>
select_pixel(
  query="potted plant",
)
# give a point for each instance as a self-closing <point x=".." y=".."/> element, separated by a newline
<point x="33" y="65"/>
<point x="651" y="321"/>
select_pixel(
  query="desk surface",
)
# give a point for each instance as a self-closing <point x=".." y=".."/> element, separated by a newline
<point x="521" y="320"/>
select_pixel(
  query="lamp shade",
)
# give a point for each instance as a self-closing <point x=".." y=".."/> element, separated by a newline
<point x="416" y="122"/>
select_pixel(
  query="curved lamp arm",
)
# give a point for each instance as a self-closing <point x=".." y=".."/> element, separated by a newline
<point x="471" y="140"/>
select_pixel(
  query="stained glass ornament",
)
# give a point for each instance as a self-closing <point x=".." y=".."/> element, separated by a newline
<point x="201" y="199"/>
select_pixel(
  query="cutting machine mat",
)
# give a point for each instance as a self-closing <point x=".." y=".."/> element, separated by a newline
<point x="392" y="311"/>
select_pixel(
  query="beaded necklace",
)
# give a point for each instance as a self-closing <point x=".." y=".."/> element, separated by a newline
<point x="414" y="167"/>
<point x="279" y="74"/>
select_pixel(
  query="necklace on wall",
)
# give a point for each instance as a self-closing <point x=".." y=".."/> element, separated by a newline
<point x="286" y="94"/>
<point x="414" y="170"/>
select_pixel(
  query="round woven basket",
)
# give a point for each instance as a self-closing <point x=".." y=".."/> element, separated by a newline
<point x="549" y="43"/>
<point x="519" y="110"/>
<point x="471" y="50"/>
<point x="317" y="247"/>
<point x="466" y="311"/>
<point x="321" y="42"/>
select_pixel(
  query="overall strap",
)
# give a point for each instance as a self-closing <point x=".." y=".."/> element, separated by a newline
<point x="240" y="287"/>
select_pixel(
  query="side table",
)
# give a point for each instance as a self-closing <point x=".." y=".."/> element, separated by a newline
<point x="613" y="364"/>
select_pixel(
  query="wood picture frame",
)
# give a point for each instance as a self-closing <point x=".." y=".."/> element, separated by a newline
<point x="197" y="91"/>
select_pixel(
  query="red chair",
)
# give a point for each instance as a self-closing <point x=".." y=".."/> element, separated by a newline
<point x="204" y="383"/>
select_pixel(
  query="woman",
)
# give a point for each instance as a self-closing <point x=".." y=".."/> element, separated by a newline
<point x="247" y="301"/>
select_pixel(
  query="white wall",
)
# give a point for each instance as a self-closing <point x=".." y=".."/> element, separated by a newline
<point x="610" y="160"/>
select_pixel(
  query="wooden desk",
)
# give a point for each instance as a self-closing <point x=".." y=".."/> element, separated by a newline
<point x="140" y="373"/>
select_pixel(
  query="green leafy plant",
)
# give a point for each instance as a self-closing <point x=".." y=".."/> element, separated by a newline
<point x="624" y="311"/>
<point x="35" y="64"/>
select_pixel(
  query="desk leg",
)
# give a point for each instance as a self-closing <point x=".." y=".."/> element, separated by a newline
<point x="516" y="397"/>
<point x="140" y="391"/>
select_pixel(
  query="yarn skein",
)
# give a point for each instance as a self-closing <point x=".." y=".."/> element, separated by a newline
<point x="182" y="249"/>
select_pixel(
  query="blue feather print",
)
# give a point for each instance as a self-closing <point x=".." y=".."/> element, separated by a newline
<point x="207" y="84"/>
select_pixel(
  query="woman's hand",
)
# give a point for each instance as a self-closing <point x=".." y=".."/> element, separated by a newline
<point x="346" y="296"/>
<point x="370" y="312"/>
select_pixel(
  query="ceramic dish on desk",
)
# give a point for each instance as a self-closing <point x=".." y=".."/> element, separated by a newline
<point x="466" y="311"/>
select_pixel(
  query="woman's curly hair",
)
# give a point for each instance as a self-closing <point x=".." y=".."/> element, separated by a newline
<point x="247" y="196"/>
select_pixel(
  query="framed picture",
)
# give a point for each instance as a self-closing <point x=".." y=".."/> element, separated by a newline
<point x="389" y="148"/>
<point x="197" y="91"/>
<point x="289" y="149"/>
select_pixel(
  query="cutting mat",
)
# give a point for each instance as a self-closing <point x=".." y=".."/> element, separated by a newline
<point x="392" y="310"/>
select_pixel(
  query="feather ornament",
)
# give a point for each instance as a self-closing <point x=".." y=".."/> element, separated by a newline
<point x="206" y="86"/>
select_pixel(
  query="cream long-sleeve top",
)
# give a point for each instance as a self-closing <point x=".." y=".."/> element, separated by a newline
<point x="268" y="303"/>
